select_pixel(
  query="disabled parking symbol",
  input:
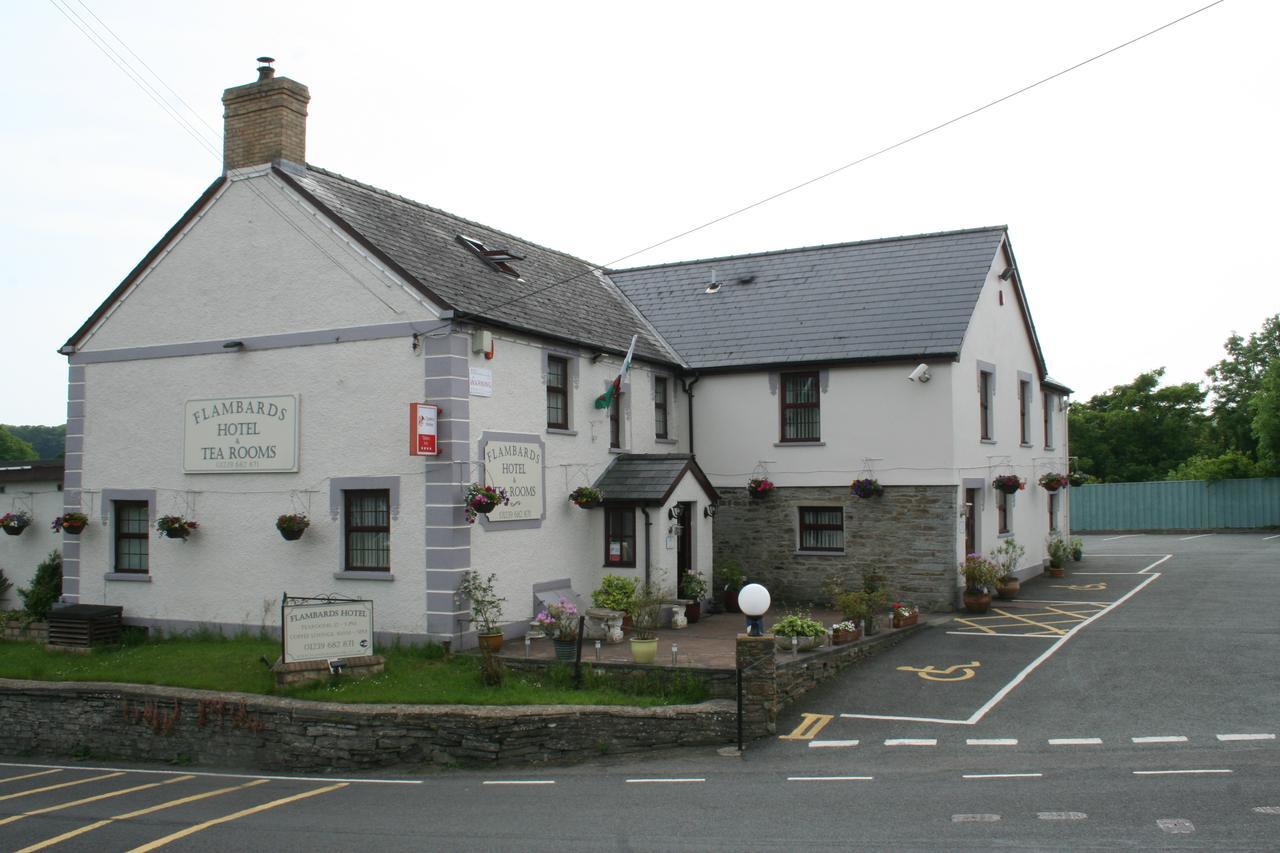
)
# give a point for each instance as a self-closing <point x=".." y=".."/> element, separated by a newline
<point x="958" y="672"/>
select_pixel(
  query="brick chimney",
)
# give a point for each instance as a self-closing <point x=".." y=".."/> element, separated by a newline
<point x="265" y="121"/>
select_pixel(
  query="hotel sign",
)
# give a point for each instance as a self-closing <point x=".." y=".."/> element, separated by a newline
<point x="322" y="630"/>
<point x="517" y="467"/>
<point x="241" y="435"/>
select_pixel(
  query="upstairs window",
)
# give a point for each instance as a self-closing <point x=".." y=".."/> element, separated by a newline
<point x="557" y="392"/>
<point x="1002" y="512"/>
<point x="1024" y="411"/>
<point x="986" y="389"/>
<point x="801" y="417"/>
<point x="1047" y="399"/>
<point x="615" y="422"/>
<point x="660" y="407"/>
<point x="498" y="259"/>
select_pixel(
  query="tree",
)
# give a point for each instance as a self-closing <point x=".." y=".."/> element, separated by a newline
<point x="14" y="449"/>
<point x="1235" y="380"/>
<point x="49" y="441"/>
<point x="1265" y="407"/>
<point x="1232" y="465"/>
<point x="45" y="588"/>
<point x="1138" y="432"/>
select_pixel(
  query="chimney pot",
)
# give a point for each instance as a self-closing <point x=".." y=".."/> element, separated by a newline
<point x="265" y="71"/>
<point x="265" y="120"/>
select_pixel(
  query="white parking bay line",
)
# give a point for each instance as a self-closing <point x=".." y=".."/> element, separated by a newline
<point x="992" y="741"/>
<point x="518" y="782"/>
<point x="1176" y="825"/>
<point x="1002" y="776"/>
<point x="832" y="744"/>
<point x="1181" y="772"/>
<point x="1269" y="538"/>
<point x="1075" y="741"/>
<point x="1267" y="809"/>
<point x="1247" y="737"/>
<point x="1062" y="815"/>
<point x="1160" y="739"/>
<point x="911" y="741"/>
<point x="974" y="818"/>
<point x="830" y="778"/>
<point x="1121" y="536"/>
<point x="1198" y="536"/>
<point x="661" y="781"/>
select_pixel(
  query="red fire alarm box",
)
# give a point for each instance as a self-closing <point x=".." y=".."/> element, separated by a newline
<point x="423" y="420"/>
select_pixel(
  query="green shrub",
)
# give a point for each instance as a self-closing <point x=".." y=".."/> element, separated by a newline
<point x="615" y="592"/>
<point x="46" y="587"/>
<point x="798" y="624"/>
<point x="5" y="584"/>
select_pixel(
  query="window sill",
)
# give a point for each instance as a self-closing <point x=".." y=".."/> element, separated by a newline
<point x="557" y="431"/>
<point x="1026" y="444"/>
<point x="799" y="553"/>
<point x="1007" y="534"/>
<point x="799" y="444"/>
<point x="619" y="450"/>
<point x="135" y="577"/>
<point x="666" y="441"/>
<point x="363" y="576"/>
<point x="986" y="441"/>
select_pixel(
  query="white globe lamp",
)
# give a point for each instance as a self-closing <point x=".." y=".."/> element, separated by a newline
<point x="754" y="601"/>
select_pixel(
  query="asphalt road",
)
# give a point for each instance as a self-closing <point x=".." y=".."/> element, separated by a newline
<point x="1140" y="714"/>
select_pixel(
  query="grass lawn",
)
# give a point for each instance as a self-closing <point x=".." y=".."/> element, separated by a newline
<point x="415" y="675"/>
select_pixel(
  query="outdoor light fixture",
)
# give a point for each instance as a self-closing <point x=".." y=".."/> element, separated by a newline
<point x="709" y="511"/>
<point x="675" y="512"/>
<point x="753" y="600"/>
<point x="1007" y="274"/>
<point x="673" y="654"/>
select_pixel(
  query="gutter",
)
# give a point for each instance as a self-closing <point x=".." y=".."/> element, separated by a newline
<point x="688" y="390"/>
<point x="648" y="551"/>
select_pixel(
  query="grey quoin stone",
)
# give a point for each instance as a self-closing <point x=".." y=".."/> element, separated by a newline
<point x="908" y="534"/>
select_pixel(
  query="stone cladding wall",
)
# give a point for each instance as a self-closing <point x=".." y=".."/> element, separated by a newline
<point x="908" y="534"/>
<point x="719" y="683"/>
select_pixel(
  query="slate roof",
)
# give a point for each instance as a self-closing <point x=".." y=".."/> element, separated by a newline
<point x="902" y="297"/>
<point x="421" y="241"/>
<point x="649" y="478"/>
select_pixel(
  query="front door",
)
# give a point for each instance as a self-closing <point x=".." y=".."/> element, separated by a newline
<point x="684" y="539"/>
<point x="970" y="521"/>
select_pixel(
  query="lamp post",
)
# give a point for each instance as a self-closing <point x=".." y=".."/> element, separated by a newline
<point x="754" y="601"/>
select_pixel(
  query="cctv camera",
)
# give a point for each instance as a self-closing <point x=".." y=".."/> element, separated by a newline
<point x="920" y="374"/>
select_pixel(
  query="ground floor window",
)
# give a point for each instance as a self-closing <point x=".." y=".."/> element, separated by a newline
<point x="1002" y="512"/>
<point x="132" y="534"/>
<point x="367" y="530"/>
<point x="821" y="528"/>
<point x="620" y="537"/>
<point x="1055" y="500"/>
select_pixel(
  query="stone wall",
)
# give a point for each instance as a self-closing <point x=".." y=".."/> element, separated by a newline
<point x="719" y="683"/>
<point x="17" y="629"/>
<point x="160" y="724"/>
<point x="908" y="534"/>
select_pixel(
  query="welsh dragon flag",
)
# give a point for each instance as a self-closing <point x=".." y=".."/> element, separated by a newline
<point x="606" y="399"/>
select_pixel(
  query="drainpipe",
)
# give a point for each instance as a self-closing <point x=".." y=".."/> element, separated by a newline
<point x="688" y="390"/>
<point x="648" y="552"/>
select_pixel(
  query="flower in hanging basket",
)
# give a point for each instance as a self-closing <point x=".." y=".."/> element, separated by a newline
<point x="72" y="522"/>
<point x="866" y="488"/>
<point x="1008" y="483"/>
<point x="1054" y="481"/>
<point x="1077" y="478"/>
<point x="758" y="487"/>
<point x="292" y="525"/>
<point x="15" y="522"/>
<point x="482" y="499"/>
<point x="559" y="619"/>
<point x="586" y="496"/>
<point x="175" y="526"/>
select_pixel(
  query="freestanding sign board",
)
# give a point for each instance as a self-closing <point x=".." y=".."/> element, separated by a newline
<point x="423" y="425"/>
<point x="324" y="629"/>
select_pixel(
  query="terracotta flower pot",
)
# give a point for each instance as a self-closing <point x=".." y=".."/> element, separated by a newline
<point x="977" y="602"/>
<point x="693" y="612"/>
<point x="1057" y="572"/>
<point x="1008" y="590"/>
<point x="904" y="621"/>
<point x="840" y="638"/>
<point x="731" y="601"/>
<point x="490" y="642"/>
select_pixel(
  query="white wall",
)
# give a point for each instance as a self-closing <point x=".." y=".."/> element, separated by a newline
<point x="19" y="555"/>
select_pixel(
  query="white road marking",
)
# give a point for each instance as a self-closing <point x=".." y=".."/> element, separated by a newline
<point x="1189" y="538"/>
<point x="830" y="778"/>
<point x="1247" y="737"/>
<point x="1269" y="538"/>
<point x="1176" y="825"/>
<point x="1062" y="601"/>
<point x="1267" y="809"/>
<point x="1002" y="776"/>
<point x="657" y="781"/>
<point x="992" y="741"/>
<point x="1029" y="668"/>
<point x="831" y="744"/>
<point x="1121" y="536"/>
<point x="222" y="775"/>
<point x="1062" y="815"/>
<point x="1075" y="741"/>
<point x="911" y="741"/>
<point x="1160" y="739"/>
<point x="518" y="782"/>
<point x="1105" y="574"/>
<point x="995" y="634"/>
<point x="972" y="818"/>
<point x="1180" y="772"/>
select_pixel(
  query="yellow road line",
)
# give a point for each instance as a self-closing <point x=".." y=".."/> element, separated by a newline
<point x="58" y="839"/>
<point x="809" y="727"/>
<point x="1023" y="619"/>
<point x="192" y="830"/>
<point x="29" y="775"/>
<point x="973" y="624"/>
<point x="62" y="785"/>
<point x="93" y="799"/>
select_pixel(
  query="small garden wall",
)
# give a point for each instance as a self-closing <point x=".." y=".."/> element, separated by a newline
<point x="719" y="683"/>
<point x="17" y="629"/>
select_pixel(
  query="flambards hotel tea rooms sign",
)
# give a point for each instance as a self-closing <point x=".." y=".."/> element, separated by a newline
<point x="238" y="435"/>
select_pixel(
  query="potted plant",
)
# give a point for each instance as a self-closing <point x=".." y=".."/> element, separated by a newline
<point x="1006" y="556"/>
<point x="560" y="620"/>
<point x="1053" y="481"/>
<point x="876" y="586"/>
<point x="1008" y="483"/>
<point x="1077" y="548"/>
<point x="692" y="588"/>
<point x="866" y="488"/>
<point x="15" y="522"/>
<point x="292" y="526"/>
<point x="615" y="593"/>
<point x="1059" y="553"/>
<point x="70" y="522"/>
<point x="486" y="609"/>
<point x="904" y="614"/>
<point x="732" y="579"/>
<point x="758" y="487"/>
<point x="644" y="610"/>
<point x="586" y="497"/>
<point x="847" y="631"/>
<point x="855" y="607"/>
<point x="980" y="577"/>
<point x="175" y="527"/>
<point x="1077" y="478"/>
<point x="798" y="631"/>
<point x="482" y="500"/>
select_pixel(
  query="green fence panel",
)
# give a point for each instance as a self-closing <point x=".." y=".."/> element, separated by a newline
<point x="1177" y="505"/>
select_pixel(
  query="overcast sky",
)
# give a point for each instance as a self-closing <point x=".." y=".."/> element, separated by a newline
<point x="1139" y="190"/>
